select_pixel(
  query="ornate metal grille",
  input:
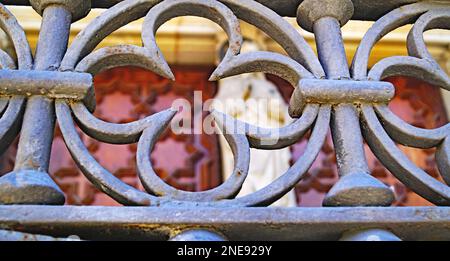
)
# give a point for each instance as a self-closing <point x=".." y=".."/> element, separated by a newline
<point x="57" y="85"/>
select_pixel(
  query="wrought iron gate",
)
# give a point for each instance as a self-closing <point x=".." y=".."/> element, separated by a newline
<point x="57" y="85"/>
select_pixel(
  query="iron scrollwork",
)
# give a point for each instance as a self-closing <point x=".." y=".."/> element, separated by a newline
<point x="353" y="101"/>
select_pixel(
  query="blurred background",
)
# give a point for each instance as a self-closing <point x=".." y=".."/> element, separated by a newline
<point x="192" y="46"/>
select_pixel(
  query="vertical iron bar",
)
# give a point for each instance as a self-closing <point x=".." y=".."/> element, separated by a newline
<point x="347" y="135"/>
<point x="30" y="183"/>
<point x="330" y="48"/>
<point x="356" y="186"/>
<point x="39" y="119"/>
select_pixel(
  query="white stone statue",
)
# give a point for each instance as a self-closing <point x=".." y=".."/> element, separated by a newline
<point x="253" y="99"/>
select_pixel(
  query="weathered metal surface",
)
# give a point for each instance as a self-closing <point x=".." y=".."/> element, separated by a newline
<point x="136" y="223"/>
<point x="156" y="186"/>
<point x="11" y="119"/>
<point x="352" y="101"/>
<point x="356" y="186"/>
<point x="28" y="183"/>
<point x="389" y="22"/>
<point x="226" y="14"/>
<point x="399" y="164"/>
<point x="378" y="125"/>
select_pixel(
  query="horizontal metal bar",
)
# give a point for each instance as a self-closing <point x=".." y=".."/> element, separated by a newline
<point x="133" y="223"/>
<point x="340" y="92"/>
<point x="364" y="9"/>
<point x="52" y="84"/>
<point x="345" y="91"/>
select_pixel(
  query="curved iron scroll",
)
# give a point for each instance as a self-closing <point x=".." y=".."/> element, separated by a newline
<point x="327" y="92"/>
